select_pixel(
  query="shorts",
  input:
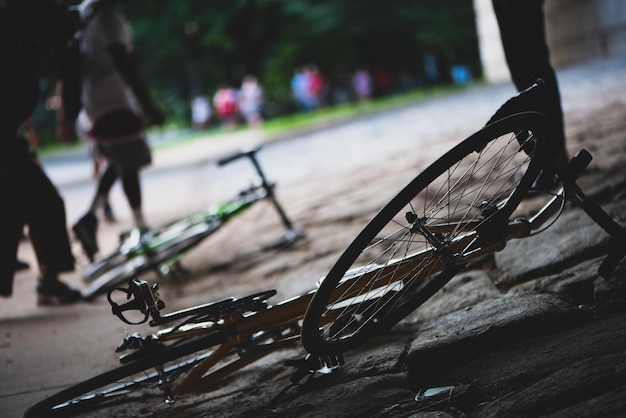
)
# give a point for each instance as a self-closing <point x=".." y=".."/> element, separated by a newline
<point x="128" y="155"/>
<point x="119" y="136"/>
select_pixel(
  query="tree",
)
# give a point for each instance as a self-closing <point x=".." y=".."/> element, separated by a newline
<point x="188" y="46"/>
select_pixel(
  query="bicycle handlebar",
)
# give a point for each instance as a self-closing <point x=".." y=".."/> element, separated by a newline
<point x="249" y="153"/>
<point x="264" y="183"/>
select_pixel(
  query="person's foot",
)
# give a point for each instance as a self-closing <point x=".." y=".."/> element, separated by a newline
<point x="85" y="231"/>
<point x="21" y="265"/>
<point x="55" y="293"/>
<point x="108" y="213"/>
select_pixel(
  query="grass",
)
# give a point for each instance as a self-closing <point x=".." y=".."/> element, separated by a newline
<point x="172" y="135"/>
<point x="350" y="110"/>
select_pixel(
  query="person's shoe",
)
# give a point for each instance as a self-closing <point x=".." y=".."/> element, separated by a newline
<point x="56" y="293"/>
<point x="21" y="265"/>
<point x="108" y="213"/>
<point x="85" y="232"/>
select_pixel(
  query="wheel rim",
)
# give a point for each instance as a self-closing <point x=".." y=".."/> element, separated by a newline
<point x="443" y="216"/>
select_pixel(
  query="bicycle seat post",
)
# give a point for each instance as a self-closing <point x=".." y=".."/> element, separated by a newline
<point x="257" y="166"/>
<point x="269" y="190"/>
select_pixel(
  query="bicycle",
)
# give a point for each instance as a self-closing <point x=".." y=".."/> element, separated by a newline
<point x="462" y="208"/>
<point x="198" y="348"/>
<point x="162" y="248"/>
<point x="469" y="219"/>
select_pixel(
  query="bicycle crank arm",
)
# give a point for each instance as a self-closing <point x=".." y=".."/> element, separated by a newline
<point x="617" y="249"/>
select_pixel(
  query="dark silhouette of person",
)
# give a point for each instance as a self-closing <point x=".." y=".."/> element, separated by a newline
<point x="522" y="29"/>
<point x="32" y="33"/>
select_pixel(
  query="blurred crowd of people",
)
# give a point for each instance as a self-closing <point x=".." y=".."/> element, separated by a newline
<point x="230" y="105"/>
<point x="233" y="106"/>
<point x="310" y="89"/>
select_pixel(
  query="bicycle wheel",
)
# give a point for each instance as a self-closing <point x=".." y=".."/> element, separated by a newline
<point x="455" y="209"/>
<point x="136" y="378"/>
<point x="102" y="265"/>
<point x="159" y="249"/>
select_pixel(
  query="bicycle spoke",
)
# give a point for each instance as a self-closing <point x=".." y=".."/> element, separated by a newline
<point x="455" y="210"/>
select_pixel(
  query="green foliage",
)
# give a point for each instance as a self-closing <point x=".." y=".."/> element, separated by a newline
<point x="189" y="46"/>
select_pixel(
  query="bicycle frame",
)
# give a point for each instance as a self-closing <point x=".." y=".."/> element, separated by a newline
<point x="472" y="245"/>
<point x="141" y="251"/>
<point x="211" y="219"/>
<point x="283" y="317"/>
<point x="250" y="334"/>
<point x="253" y="335"/>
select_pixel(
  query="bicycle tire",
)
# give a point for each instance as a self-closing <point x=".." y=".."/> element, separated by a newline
<point x="120" y="256"/>
<point x="132" y="266"/>
<point x="471" y="189"/>
<point x="102" y="265"/>
<point x="107" y="388"/>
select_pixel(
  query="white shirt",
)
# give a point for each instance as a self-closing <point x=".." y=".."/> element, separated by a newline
<point x="103" y="87"/>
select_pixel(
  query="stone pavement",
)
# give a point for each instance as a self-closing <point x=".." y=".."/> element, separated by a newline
<point x="539" y="335"/>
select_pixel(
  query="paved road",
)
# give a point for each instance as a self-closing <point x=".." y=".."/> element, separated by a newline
<point x="45" y="349"/>
<point x="187" y="174"/>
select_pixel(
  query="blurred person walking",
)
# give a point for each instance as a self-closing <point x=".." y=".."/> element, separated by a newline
<point x="362" y="85"/>
<point x="226" y="107"/>
<point x="98" y="159"/>
<point x="251" y="100"/>
<point x="316" y="85"/>
<point x="113" y="98"/>
<point x="300" y="90"/>
<point x="200" y="112"/>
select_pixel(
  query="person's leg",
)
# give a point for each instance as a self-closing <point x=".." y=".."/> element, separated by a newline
<point x="522" y="30"/>
<point x="86" y="228"/>
<point x="101" y="162"/>
<point x="21" y="265"/>
<point x="130" y="158"/>
<point x="11" y="225"/>
<point x="132" y="190"/>
<point x="105" y="183"/>
<point x="46" y="219"/>
<point x="109" y="216"/>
